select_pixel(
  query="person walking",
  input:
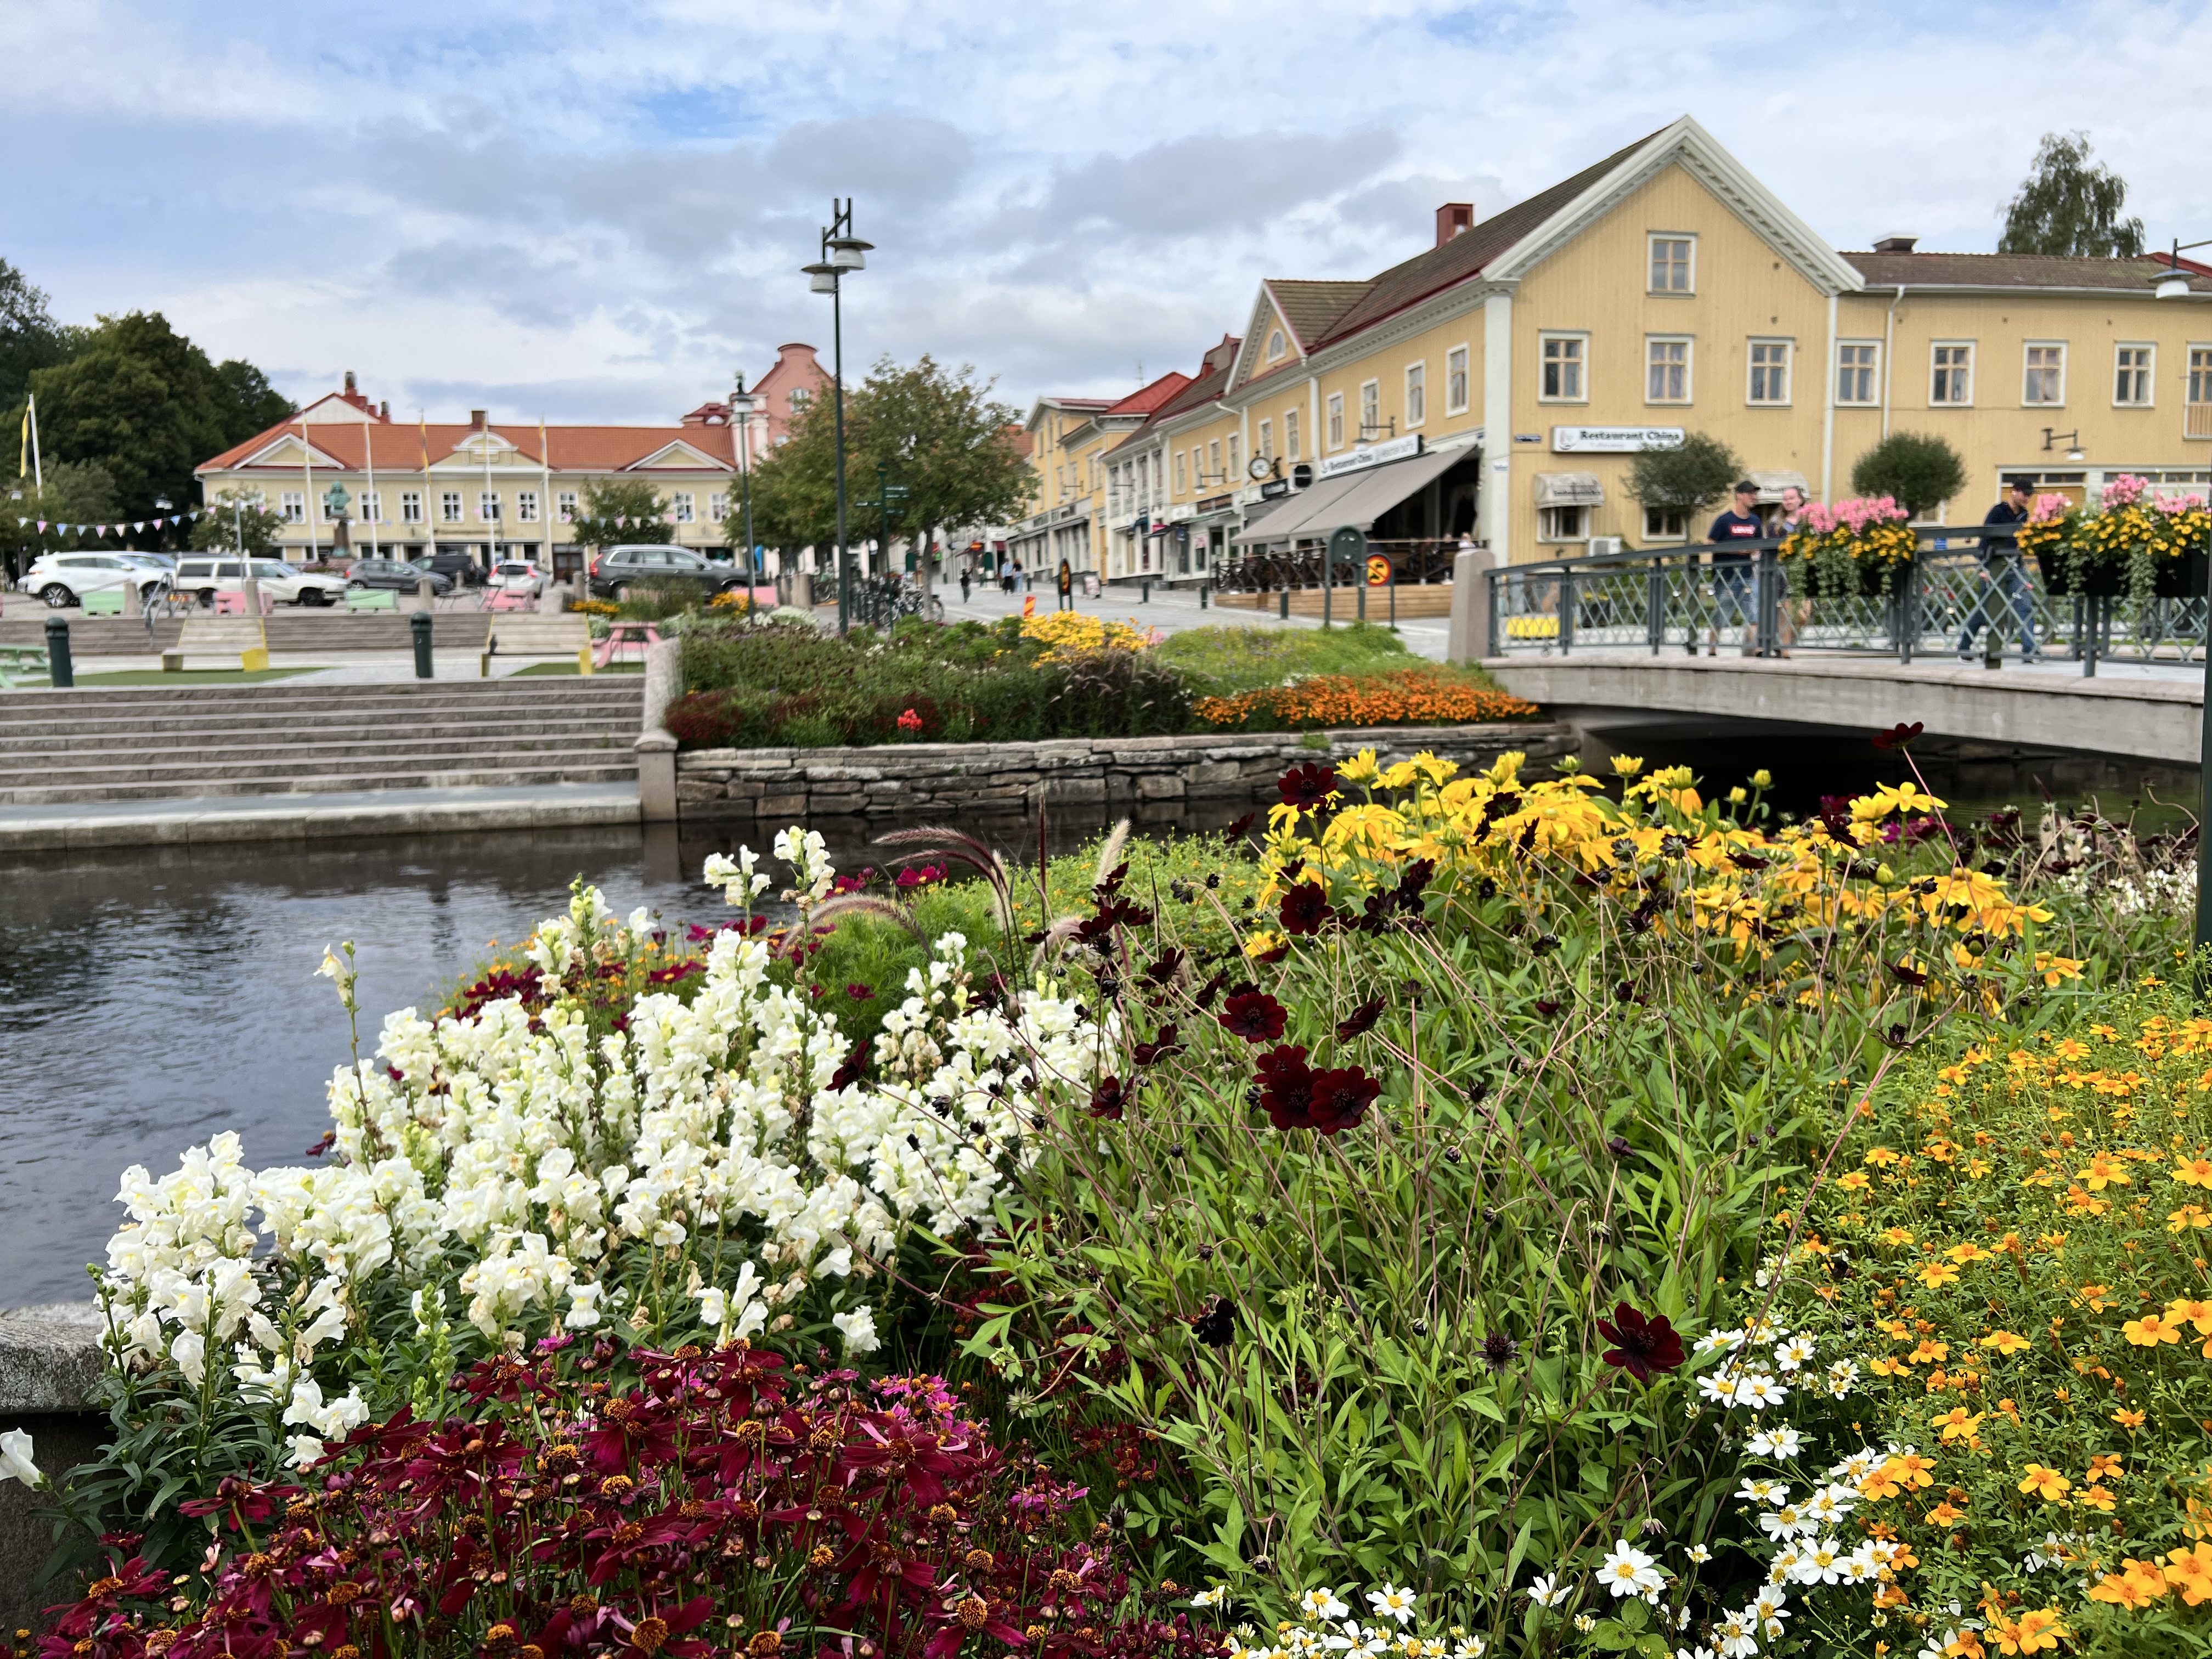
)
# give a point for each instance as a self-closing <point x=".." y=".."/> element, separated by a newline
<point x="1732" y="570"/>
<point x="2003" y="577"/>
<point x="1066" y="587"/>
<point x="1791" y="614"/>
<point x="967" y="572"/>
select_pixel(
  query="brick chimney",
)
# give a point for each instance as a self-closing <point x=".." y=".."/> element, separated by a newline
<point x="1452" y="218"/>
<point x="349" y="386"/>
<point x="480" y="419"/>
<point x="383" y="410"/>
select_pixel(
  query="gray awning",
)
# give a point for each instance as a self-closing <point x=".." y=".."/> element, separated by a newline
<point x="1358" y="499"/>
<point x="1569" y="489"/>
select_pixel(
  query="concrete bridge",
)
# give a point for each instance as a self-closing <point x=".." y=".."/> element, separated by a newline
<point x="2152" y="713"/>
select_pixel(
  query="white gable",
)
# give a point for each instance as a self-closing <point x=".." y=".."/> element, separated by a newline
<point x="290" y="449"/>
<point x="330" y="408"/>
<point x="680" y="456"/>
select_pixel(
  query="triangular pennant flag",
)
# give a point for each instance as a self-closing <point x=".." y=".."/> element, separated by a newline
<point x="42" y="526"/>
<point x="138" y="524"/>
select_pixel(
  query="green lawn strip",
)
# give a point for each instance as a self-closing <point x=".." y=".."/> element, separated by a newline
<point x="189" y="677"/>
<point x="542" y="668"/>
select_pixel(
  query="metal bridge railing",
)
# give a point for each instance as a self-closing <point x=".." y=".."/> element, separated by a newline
<point x="1959" y="587"/>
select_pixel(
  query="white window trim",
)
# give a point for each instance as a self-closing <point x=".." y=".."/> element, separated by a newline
<point x="1465" y="377"/>
<point x="1873" y="399"/>
<point x="1582" y="334"/>
<point x="1278" y="345"/>
<point x="1581" y="535"/>
<point x="1973" y="372"/>
<point x="1374" y="385"/>
<point x="526" y="507"/>
<point x="410" y="507"/>
<point x="1689" y="370"/>
<point x="1292" y="435"/>
<point x="1789" y="344"/>
<point x="1336" y="430"/>
<point x="1689" y="236"/>
<point x="1420" y="369"/>
<point x="1265" y="449"/>
<point x="2150" y="379"/>
<point x="2065" y="363"/>
<point x="1651" y="535"/>
<point x="454" y="500"/>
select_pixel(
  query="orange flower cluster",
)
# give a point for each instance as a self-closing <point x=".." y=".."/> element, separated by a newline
<point x="1409" y="696"/>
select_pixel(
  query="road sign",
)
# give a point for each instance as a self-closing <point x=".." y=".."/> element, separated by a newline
<point x="1378" y="571"/>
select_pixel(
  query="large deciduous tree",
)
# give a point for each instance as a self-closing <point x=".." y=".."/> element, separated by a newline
<point x="29" y="336"/>
<point x="236" y="520"/>
<point x="2069" y="205"/>
<point x="1694" y="474"/>
<point x="76" y="493"/>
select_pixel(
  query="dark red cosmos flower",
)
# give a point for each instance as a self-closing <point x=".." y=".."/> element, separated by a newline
<point x="1307" y="786"/>
<point x="1641" y="1346"/>
<point x="1109" y="1099"/>
<point x="1339" y="1099"/>
<point x="1305" y="909"/>
<point x="1165" y="1042"/>
<point x="1164" y="969"/>
<point x="1236" y="831"/>
<point x="860" y="992"/>
<point x="1255" y="1016"/>
<point x="1360" y="1020"/>
<point x="1286" y="1087"/>
<point x="855" y="1066"/>
<point x="1204" y="994"/>
<point x="1899" y="736"/>
<point x="1548" y="1007"/>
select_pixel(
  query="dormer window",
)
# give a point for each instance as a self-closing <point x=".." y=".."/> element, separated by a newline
<point x="1275" y="346"/>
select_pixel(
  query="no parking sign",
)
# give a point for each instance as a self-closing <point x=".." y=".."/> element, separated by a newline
<point x="1378" y="571"/>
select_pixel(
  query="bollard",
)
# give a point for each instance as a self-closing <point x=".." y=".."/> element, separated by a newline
<point x="1284" y="605"/>
<point x="59" y="673"/>
<point x="419" y="625"/>
<point x="1201" y="595"/>
<point x="1147" y="600"/>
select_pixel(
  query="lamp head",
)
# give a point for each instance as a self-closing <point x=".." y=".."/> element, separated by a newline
<point x="823" y="275"/>
<point x="2171" y="282"/>
<point x="849" y="253"/>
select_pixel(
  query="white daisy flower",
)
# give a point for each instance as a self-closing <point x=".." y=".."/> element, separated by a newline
<point x="1322" y="1605"/>
<point x="1547" y="1591"/>
<point x="1392" y="1603"/>
<point x="1758" y="1489"/>
<point x="1794" y="1353"/>
<point x="1719" y="1342"/>
<point x="1760" y="1390"/>
<point x="1701" y="1554"/>
<point x="1627" y="1571"/>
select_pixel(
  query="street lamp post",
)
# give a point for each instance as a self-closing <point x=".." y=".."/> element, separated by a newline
<point x="741" y="406"/>
<point x="2173" y="283"/>
<point x="841" y="251"/>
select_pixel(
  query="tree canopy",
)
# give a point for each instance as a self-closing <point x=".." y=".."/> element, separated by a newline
<point x="2067" y="205"/>
<point x="76" y="493"/>
<point x="29" y="336"/>
<point x="621" y="510"/>
<point x="236" y="517"/>
<point x="1696" y="472"/>
<point x="938" y="431"/>
<point x="1918" y="470"/>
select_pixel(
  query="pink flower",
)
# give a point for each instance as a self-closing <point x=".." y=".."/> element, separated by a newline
<point x="2047" y="507"/>
<point x="2125" y="491"/>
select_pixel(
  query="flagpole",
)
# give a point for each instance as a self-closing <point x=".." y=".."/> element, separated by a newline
<point x="368" y="460"/>
<point x="484" y="506"/>
<point x="552" y="515"/>
<point x="308" y="467"/>
<point x="37" y="465"/>
<point x="430" y="524"/>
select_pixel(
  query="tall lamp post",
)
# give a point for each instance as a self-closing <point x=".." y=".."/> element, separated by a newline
<point x="741" y="408"/>
<point x="2173" y="283"/>
<point x="841" y="251"/>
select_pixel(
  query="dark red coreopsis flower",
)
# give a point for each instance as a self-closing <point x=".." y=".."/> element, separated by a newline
<point x="1305" y="909"/>
<point x="1339" y="1099"/>
<point x="1255" y="1016"/>
<point x="1109" y="1099"/>
<point x="1641" y="1346"/>
<point x="1286" y="1087"/>
<point x="1307" y="786"/>
<point x="1899" y="736"/>
<point x="1165" y="1042"/>
<point x="1360" y="1020"/>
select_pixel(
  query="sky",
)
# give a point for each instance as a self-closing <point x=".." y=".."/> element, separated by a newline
<point x="594" y="212"/>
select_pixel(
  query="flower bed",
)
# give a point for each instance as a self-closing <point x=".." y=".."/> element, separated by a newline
<point x="1410" y="696"/>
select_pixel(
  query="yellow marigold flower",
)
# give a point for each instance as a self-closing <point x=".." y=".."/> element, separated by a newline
<point x="2106" y="1465"/>
<point x="2130" y="1589"/>
<point x="1968" y="1252"/>
<point x="1886" y="1366"/>
<point x="1957" y="1424"/>
<point x="2192" y="1311"/>
<point x="2104" y="1171"/>
<point x="2096" y="1497"/>
<point x="2127" y="1418"/>
<point x="2189" y="1572"/>
<point x="1627" y="766"/>
<point x="2149" y="1331"/>
<point x="2007" y="1343"/>
<point x="2195" y="1172"/>
<point x="1856" y="1180"/>
<point x="2188" y="1216"/>
<point x="1930" y="1350"/>
<point x="2037" y="1632"/>
<point x="1937" y="1274"/>
<point x="2047" y="1484"/>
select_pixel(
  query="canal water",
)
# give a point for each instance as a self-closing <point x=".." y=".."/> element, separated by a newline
<point x="149" y="999"/>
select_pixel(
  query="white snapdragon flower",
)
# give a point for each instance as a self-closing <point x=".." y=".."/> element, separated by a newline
<point x="16" y="1463"/>
<point x="857" y="1327"/>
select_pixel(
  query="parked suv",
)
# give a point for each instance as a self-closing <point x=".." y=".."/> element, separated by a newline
<point x="618" y="569"/>
<point x="63" y="579"/>
<point x="396" y="574"/>
<point x="456" y="568"/>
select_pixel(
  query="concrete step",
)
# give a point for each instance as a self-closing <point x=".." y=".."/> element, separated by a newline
<point x="55" y="736"/>
<point x="522" y="771"/>
<point x="289" y="630"/>
<point x="302" y="757"/>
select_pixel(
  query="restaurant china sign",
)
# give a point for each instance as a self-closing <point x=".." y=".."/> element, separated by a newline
<point x="1613" y="439"/>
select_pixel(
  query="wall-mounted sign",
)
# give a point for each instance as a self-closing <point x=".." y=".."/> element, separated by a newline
<point x="1273" y="488"/>
<point x="1613" y="439"/>
<point x="1528" y="437"/>
<point x="1392" y="449"/>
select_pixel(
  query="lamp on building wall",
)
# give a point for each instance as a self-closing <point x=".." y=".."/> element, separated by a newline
<point x="2172" y="283"/>
<point x="841" y="251"/>
<point x="2073" y="440"/>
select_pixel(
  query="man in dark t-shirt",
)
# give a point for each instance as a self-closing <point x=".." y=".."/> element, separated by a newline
<point x="2007" y="585"/>
<point x="1732" y="571"/>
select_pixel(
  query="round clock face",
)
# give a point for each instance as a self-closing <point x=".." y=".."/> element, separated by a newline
<point x="1259" y="467"/>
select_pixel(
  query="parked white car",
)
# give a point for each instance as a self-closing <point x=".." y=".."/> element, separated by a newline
<point x="63" y="579"/>
<point x="520" y="573"/>
<point x="202" y="578"/>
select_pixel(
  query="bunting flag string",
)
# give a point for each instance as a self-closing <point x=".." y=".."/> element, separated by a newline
<point x="136" y="525"/>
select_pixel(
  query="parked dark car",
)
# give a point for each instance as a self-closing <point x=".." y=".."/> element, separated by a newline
<point x="396" y="574"/>
<point x="457" y="568"/>
<point x="620" y="569"/>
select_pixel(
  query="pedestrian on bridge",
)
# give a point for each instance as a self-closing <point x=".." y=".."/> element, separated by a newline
<point x="2003" y="579"/>
<point x="1732" y="570"/>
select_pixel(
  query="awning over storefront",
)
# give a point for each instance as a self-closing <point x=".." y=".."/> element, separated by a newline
<point x="1569" y="489"/>
<point x="1772" y="484"/>
<point x="1358" y="499"/>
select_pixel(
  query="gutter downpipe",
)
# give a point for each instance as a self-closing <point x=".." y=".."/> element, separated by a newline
<point x="1829" y="414"/>
<point x="1888" y="335"/>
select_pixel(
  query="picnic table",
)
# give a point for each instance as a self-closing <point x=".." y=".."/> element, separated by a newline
<point x="625" y="632"/>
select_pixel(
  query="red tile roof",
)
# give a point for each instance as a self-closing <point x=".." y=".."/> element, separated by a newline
<point x="2013" y="270"/>
<point x="575" y="448"/>
<point x="1145" y="399"/>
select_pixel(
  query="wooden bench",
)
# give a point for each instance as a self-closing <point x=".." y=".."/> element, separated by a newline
<point x="24" y="659"/>
<point x="371" y="598"/>
<point x="242" y="637"/>
<point x="532" y="635"/>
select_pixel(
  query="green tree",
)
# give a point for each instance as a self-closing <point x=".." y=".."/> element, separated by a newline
<point x="237" y="515"/>
<point x="938" y="432"/>
<point x="1918" y="470"/>
<point x="2067" y="205"/>
<point x="1694" y="474"/>
<point x="76" y="493"/>
<point x="29" y="336"/>
<point x="621" y="510"/>
<point x="245" y="403"/>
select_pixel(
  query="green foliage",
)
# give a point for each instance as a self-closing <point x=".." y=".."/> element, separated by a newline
<point x="29" y="339"/>
<point x="236" y="516"/>
<point x="634" y="501"/>
<point x="1696" y="473"/>
<point x="2066" y="206"/>
<point x="1918" y="470"/>
<point x="1223" y="661"/>
<point x="77" y="492"/>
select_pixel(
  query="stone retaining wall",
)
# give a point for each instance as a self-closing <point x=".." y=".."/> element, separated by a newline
<point x="50" y="1366"/>
<point x="913" y="781"/>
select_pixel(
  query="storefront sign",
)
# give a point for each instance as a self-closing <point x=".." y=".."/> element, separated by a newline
<point x="1613" y="439"/>
<point x="1274" y="488"/>
<point x="1394" y="449"/>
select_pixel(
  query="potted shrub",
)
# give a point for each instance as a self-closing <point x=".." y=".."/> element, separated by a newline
<point x="2146" y="547"/>
<point x="1858" y="546"/>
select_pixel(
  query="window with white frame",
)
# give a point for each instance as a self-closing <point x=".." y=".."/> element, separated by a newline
<point x="1275" y="346"/>
<point x="684" y="501"/>
<point x="2042" y="375"/>
<point x="488" y="506"/>
<point x="800" y="397"/>
<point x="717" y="507"/>
<point x="372" y="507"/>
<point x="410" y="507"/>
<point x="1673" y="262"/>
<point x="566" y="503"/>
<point x="1417" y="393"/>
<point x="1456" y="389"/>
<point x="1213" y="460"/>
<point x="2200" y="375"/>
<point x="325" y="511"/>
<point x="526" y="507"/>
<point x="1665" y="524"/>
<point x="1370" y="411"/>
<point x="1336" y="420"/>
<point x="1770" y="371"/>
<point x="449" y="507"/>
<point x="2132" y="375"/>
<point x="1855" y="364"/>
<point x="1291" y="434"/>
<point x="1236" y="455"/>
<point x="1562" y="524"/>
<point x="1951" y="369"/>
<point x="1667" y="369"/>
<point x="1561" y="380"/>
<point x="1182" y="474"/>
<point x="295" y="506"/>
<point x="1266" y="449"/>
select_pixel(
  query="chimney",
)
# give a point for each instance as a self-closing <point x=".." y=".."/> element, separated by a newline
<point x="479" y="419"/>
<point x="1452" y="218"/>
<point x="383" y="410"/>
<point x="349" y="389"/>
<point x="1895" y="244"/>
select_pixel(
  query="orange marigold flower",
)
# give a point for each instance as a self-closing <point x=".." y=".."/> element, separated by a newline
<point x="2193" y="1172"/>
<point x="2007" y="1343"/>
<point x="2128" y="1419"/>
<point x="2189" y="1572"/>
<point x="2149" y="1331"/>
<point x="2044" y="1483"/>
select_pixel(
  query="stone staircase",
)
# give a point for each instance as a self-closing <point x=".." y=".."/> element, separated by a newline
<point x="155" y="742"/>
<point x="311" y="631"/>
